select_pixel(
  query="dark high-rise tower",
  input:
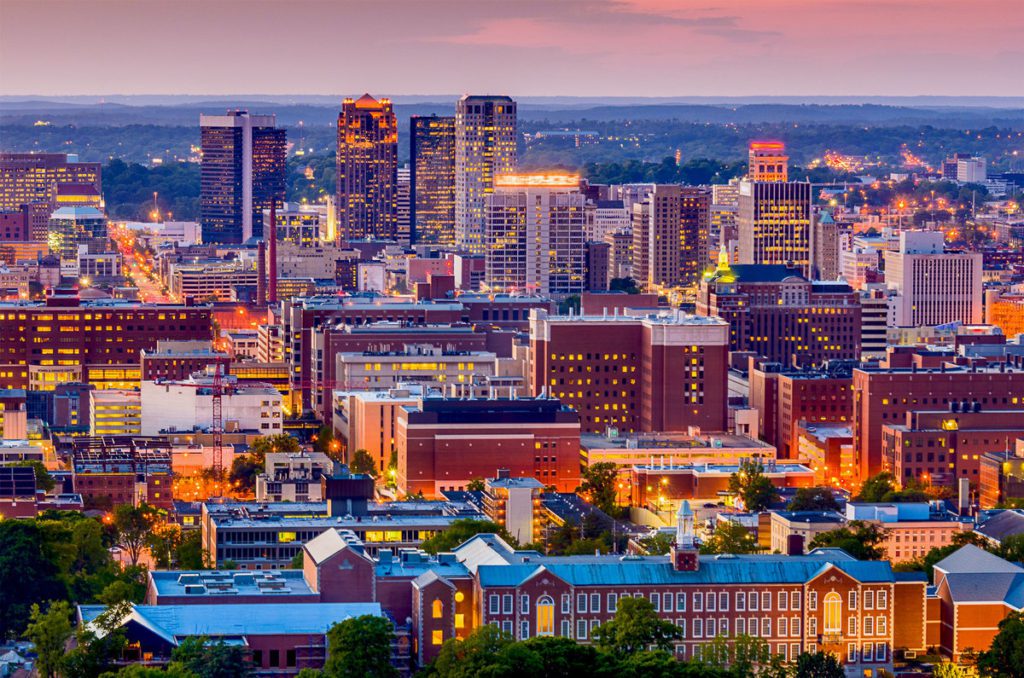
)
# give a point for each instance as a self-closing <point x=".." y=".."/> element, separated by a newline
<point x="243" y="169"/>
<point x="432" y="155"/>
<point x="367" y="169"/>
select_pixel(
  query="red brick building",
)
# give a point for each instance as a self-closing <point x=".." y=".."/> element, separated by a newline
<point x="774" y="312"/>
<point x="939" y="447"/>
<point x="68" y="335"/>
<point x="448" y="442"/>
<point x="111" y="471"/>
<point x="884" y="397"/>
<point x="663" y="372"/>
<point x="177" y="361"/>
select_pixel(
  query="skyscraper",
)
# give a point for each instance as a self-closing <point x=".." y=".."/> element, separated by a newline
<point x="485" y="147"/>
<point x="432" y="199"/>
<point x="367" y="183"/>
<point x="535" y="234"/>
<point x="672" y="246"/>
<point x="242" y="170"/>
<point x="768" y="161"/>
<point x="35" y="181"/>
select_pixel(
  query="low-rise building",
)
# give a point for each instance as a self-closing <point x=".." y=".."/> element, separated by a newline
<point x="514" y="503"/>
<point x="187" y="405"/>
<point x="911" y="529"/>
<point x="661" y="485"/>
<point x="109" y="471"/>
<point x="293" y="476"/>
<point x="115" y="412"/>
<point x="793" y="531"/>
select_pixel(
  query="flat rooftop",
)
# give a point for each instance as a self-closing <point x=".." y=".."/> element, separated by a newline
<point x="220" y="583"/>
<point x="668" y="441"/>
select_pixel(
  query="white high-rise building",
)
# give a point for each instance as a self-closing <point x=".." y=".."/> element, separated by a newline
<point x="971" y="170"/>
<point x="933" y="287"/>
<point x="485" y="147"/>
<point x="535" y="234"/>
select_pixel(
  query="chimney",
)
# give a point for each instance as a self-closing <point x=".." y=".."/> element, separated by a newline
<point x="261" y="273"/>
<point x="964" y="498"/>
<point x="272" y="288"/>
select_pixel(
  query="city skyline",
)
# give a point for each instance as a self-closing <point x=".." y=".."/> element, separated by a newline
<point x="576" y="48"/>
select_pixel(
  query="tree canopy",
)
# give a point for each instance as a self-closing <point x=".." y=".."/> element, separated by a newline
<point x="730" y="537"/>
<point x="813" y="499"/>
<point x="599" y="484"/>
<point x="360" y="646"/>
<point x="461" y="530"/>
<point x="861" y="540"/>
<point x="752" y="487"/>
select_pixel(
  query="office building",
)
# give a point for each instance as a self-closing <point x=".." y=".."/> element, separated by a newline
<point x="432" y="195"/>
<point x="403" y="205"/>
<point x="657" y="372"/>
<point x="31" y="181"/>
<point x="300" y="225"/>
<point x="534" y="231"/>
<point x="774" y="223"/>
<point x="445" y="443"/>
<point x="485" y="147"/>
<point x="825" y="262"/>
<point x="933" y="287"/>
<point x="670" y="249"/>
<point x="971" y="170"/>
<point x="775" y="312"/>
<point x="67" y="340"/>
<point x="187" y="405"/>
<point x="72" y="227"/>
<point x="367" y="164"/>
<point x="115" y="412"/>
<point x="767" y="161"/>
<point x="293" y="476"/>
<point x="108" y="471"/>
<point x="242" y="171"/>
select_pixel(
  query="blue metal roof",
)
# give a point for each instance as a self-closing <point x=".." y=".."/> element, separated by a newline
<point x="181" y="621"/>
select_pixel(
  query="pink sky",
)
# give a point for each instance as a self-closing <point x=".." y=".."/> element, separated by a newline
<point x="520" y="47"/>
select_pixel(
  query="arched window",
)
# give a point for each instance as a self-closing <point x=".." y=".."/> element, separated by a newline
<point x="437" y="608"/>
<point x="545" y="616"/>
<point x="833" y="613"/>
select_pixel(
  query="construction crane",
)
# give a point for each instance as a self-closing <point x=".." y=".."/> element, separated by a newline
<point x="217" y="388"/>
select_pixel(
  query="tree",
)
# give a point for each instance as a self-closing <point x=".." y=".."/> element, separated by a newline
<point x="475" y="655"/>
<point x="636" y="627"/>
<point x="393" y="469"/>
<point x="44" y="481"/>
<point x="323" y="441"/>
<point x="200" y="657"/>
<point x="133" y="526"/>
<point x="1011" y="548"/>
<point x="49" y="631"/>
<point x="282" y="442"/>
<point x="752" y="487"/>
<point x="462" y="530"/>
<point x="861" y="540"/>
<point x="360" y="646"/>
<point x="28" y="574"/>
<point x="362" y="462"/>
<point x="244" y="469"/>
<point x="730" y="537"/>
<point x="627" y="285"/>
<point x="657" y="544"/>
<point x="599" y="484"/>
<point x="475" y="485"/>
<point x="813" y="499"/>
<point x="876" y="488"/>
<point x="818" y="665"/>
<point x="949" y="670"/>
<point x="1005" y="656"/>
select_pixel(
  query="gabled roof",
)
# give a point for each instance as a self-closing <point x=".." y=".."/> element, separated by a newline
<point x="429" y="577"/>
<point x="329" y="543"/>
<point x="1002" y="525"/>
<point x="1004" y="587"/>
<point x="484" y="549"/>
<point x="970" y="559"/>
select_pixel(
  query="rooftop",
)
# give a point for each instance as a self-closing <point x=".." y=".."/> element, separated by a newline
<point x="219" y="583"/>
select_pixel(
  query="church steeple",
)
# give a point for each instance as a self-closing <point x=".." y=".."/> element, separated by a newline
<point x="684" y="550"/>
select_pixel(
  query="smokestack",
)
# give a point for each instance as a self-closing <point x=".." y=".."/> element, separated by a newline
<point x="261" y="273"/>
<point x="272" y="290"/>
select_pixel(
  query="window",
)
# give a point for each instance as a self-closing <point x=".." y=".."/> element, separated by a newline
<point x="581" y="629"/>
<point x="698" y="628"/>
<point x="612" y="602"/>
<point x="794" y="598"/>
<point x="493" y="604"/>
<point x="741" y="626"/>
<point x="524" y="604"/>
<point x="566" y="602"/>
<point x="581" y="602"/>
<point x="812" y="627"/>
<point x="723" y="626"/>
<point x="698" y="602"/>
<point x="524" y="630"/>
<point x="783" y="627"/>
<point x="545" y="616"/>
<point x="766" y="601"/>
<point x="869" y="651"/>
<point x="437" y="609"/>
<point x="869" y="626"/>
<point x="681" y="623"/>
<point x="275" y="658"/>
<point x="257" y="658"/>
<point x="666" y="604"/>
<point x="794" y="626"/>
<point x="436" y="637"/>
<point x="812" y="601"/>
<point x="766" y="627"/>
<point x="851" y="626"/>
<point x="883" y="602"/>
<point x="833" y="613"/>
<point x="595" y="602"/>
<point x="723" y="601"/>
<point x="656" y="602"/>
<point x="869" y="600"/>
<point x="783" y="600"/>
<point x="681" y="602"/>
<point x="566" y="628"/>
<point x="851" y="653"/>
<point x="752" y="629"/>
<point x="710" y="602"/>
<point x="506" y="603"/>
<point x="880" y="626"/>
<point x="460" y="620"/>
<point x="709" y="628"/>
<point x="506" y="626"/>
<point x="752" y="601"/>
<point x="853" y="600"/>
<point x="741" y="601"/>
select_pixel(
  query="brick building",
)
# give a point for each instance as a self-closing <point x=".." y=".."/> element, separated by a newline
<point x="179" y="360"/>
<point x="775" y="312"/>
<point x="884" y="396"/>
<point x="108" y="471"/>
<point x="45" y="344"/>
<point x="447" y="442"/>
<point x="657" y="372"/>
